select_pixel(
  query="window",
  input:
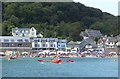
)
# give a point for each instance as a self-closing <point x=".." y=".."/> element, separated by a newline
<point x="44" y="41"/>
<point x="32" y="29"/>
<point x="43" y="45"/>
<point x="12" y="40"/>
<point x="36" y="45"/>
<point x="5" y="45"/>
<point x="26" y="40"/>
<point x="16" y="34"/>
<point x="54" y="45"/>
<point x="51" y="45"/>
<point x="46" y="45"/>
<point x="36" y="40"/>
<point x="6" y="40"/>
<point x="20" y="45"/>
<point x="19" y="40"/>
<point x="63" y="45"/>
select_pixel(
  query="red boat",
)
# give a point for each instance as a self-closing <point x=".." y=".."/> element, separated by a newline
<point x="53" y="61"/>
<point x="56" y="61"/>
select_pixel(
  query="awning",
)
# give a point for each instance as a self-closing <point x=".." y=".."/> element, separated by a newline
<point x="24" y="52"/>
<point x="41" y="53"/>
<point x="52" y="52"/>
<point x="112" y="53"/>
<point x="2" y="53"/>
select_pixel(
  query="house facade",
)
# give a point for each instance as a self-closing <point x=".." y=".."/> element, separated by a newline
<point x="108" y="43"/>
<point x="44" y="43"/>
<point x="62" y="44"/>
<point x="24" y="32"/>
<point x="15" y="42"/>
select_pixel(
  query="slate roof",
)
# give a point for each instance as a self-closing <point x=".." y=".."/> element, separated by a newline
<point x="46" y="39"/>
<point x="86" y="42"/>
<point x="73" y="43"/>
<point x="92" y="33"/>
<point x="20" y="30"/>
<point x="112" y="39"/>
<point x="60" y="40"/>
<point x="13" y="38"/>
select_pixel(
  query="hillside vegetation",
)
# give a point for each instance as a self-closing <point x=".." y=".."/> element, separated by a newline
<point x="62" y="20"/>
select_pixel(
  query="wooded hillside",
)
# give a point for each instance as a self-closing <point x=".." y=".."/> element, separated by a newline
<point x="62" y="20"/>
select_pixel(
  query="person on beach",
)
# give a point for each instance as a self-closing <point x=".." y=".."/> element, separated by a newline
<point x="7" y="53"/>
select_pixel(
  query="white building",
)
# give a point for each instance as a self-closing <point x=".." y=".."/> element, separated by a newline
<point x="44" y="43"/>
<point x="110" y="42"/>
<point x="24" y="32"/>
<point x="14" y="42"/>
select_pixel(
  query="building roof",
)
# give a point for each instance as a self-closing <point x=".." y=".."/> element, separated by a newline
<point x="2" y="38"/>
<point x="62" y="40"/>
<point x="47" y="39"/>
<point x="13" y="37"/>
<point x="92" y="33"/>
<point x="118" y="37"/>
<point x="20" y="30"/>
<point x="73" y="43"/>
<point x="112" y="39"/>
<point x="86" y="42"/>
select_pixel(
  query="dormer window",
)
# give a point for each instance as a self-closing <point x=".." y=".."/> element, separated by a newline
<point x="32" y="29"/>
<point x="26" y="31"/>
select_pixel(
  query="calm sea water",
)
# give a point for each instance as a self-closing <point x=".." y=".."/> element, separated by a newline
<point x="83" y="67"/>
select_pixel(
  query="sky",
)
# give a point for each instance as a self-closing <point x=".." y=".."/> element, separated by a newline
<point x="110" y="6"/>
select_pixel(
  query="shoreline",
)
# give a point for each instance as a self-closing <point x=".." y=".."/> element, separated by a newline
<point x="67" y="57"/>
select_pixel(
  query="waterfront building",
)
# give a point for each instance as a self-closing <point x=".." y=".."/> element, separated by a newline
<point x="62" y="44"/>
<point x="44" y="43"/>
<point x="110" y="42"/>
<point x="15" y="43"/>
